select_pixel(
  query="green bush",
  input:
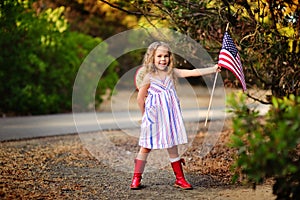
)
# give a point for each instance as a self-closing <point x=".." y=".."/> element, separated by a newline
<point x="39" y="60"/>
<point x="268" y="147"/>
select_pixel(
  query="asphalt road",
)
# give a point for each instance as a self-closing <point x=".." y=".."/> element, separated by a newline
<point x="113" y="117"/>
<point x="15" y="128"/>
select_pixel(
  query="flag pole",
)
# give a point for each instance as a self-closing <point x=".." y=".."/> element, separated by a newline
<point x="211" y="96"/>
<point x="212" y="92"/>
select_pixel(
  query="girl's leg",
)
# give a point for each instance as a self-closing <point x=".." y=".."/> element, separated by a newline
<point x="143" y="154"/>
<point x="140" y="163"/>
<point x="173" y="154"/>
<point x="177" y="168"/>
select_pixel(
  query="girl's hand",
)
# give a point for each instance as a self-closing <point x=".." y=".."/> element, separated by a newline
<point x="218" y="68"/>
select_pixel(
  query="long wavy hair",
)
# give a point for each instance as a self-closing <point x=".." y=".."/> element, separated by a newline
<point x="148" y="61"/>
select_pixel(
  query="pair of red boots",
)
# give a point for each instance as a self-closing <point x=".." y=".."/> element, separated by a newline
<point x="177" y="168"/>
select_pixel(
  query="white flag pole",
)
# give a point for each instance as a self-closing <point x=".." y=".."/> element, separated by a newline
<point x="211" y="97"/>
<point x="212" y="92"/>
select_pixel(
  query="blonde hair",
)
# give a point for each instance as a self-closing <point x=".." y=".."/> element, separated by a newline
<point x="148" y="61"/>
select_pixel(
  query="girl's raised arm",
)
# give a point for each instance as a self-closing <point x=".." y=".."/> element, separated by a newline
<point x="196" y="72"/>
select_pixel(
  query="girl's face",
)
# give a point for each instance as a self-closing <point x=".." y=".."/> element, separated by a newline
<point x="161" y="58"/>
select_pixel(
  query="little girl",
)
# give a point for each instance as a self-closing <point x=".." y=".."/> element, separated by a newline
<point x="162" y="124"/>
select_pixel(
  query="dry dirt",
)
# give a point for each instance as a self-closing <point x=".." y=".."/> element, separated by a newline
<point x="62" y="168"/>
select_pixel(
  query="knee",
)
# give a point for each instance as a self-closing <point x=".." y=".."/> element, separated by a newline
<point x="173" y="152"/>
<point x="145" y="150"/>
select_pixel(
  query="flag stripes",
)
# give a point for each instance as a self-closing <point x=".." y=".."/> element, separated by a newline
<point x="229" y="58"/>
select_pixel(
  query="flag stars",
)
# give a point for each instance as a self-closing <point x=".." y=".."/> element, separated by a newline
<point x="229" y="45"/>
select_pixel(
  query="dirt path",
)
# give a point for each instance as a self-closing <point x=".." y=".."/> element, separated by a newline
<point x="61" y="168"/>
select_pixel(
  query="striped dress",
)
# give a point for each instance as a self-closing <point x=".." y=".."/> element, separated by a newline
<point x="162" y="124"/>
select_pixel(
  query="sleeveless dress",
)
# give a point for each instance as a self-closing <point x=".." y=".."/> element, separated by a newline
<point x="162" y="123"/>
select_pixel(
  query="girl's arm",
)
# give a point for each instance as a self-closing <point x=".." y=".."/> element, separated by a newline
<point x="142" y="94"/>
<point x="196" y="72"/>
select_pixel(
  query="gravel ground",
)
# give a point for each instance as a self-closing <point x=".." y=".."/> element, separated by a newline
<point x="62" y="168"/>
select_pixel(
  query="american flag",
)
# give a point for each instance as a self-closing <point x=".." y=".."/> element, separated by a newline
<point x="229" y="58"/>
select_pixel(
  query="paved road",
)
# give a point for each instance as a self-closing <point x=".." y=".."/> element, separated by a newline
<point x="14" y="128"/>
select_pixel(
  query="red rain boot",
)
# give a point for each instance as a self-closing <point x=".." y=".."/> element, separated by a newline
<point x="180" y="180"/>
<point x="137" y="175"/>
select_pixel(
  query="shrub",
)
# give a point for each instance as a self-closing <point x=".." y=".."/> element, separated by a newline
<point x="268" y="147"/>
<point x="39" y="60"/>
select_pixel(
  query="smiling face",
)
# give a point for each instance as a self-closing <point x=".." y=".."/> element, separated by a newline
<point x="162" y="58"/>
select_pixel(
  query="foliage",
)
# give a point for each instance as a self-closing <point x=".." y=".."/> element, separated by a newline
<point x="266" y="34"/>
<point x="272" y="46"/>
<point x="97" y="19"/>
<point x="269" y="147"/>
<point x="39" y="59"/>
<point x="91" y="17"/>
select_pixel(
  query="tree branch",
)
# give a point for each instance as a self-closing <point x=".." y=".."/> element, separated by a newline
<point x="128" y="11"/>
<point x="256" y="99"/>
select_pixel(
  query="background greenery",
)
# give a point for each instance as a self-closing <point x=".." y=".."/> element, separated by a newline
<point x="39" y="59"/>
<point x="43" y="43"/>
